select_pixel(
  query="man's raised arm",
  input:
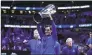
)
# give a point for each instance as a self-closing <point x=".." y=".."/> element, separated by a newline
<point x="54" y="32"/>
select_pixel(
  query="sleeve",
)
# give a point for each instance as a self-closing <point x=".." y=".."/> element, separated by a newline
<point x="39" y="28"/>
<point x="54" y="32"/>
<point x="58" y="49"/>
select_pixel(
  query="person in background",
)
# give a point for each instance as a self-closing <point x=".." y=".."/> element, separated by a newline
<point x="89" y="44"/>
<point x="34" y="44"/>
<point x="70" y="49"/>
<point x="89" y="41"/>
<point x="89" y="52"/>
<point x="83" y="38"/>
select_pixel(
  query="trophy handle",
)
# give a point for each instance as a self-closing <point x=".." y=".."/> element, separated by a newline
<point x="36" y="20"/>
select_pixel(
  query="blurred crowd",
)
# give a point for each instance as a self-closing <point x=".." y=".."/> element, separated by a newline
<point x="12" y="38"/>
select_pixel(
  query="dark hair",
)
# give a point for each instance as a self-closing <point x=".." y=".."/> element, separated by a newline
<point x="49" y="26"/>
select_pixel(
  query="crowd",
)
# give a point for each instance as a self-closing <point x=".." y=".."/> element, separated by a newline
<point x="15" y="38"/>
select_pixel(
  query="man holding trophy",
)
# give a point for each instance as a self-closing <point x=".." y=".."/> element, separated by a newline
<point x="49" y="41"/>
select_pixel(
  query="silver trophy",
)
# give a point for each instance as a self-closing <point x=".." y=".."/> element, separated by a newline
<point x="49" y="9"/>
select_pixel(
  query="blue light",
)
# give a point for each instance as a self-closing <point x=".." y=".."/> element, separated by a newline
<point x="28" y="8"/>
<point x="85" y="25"/>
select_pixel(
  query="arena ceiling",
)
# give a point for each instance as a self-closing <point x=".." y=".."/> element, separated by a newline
<point x="44" y="3"/>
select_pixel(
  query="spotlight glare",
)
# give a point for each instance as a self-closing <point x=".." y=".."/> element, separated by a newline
<point x="42" y="2"/>
<point x="33" y="8"/>
<point x="75" y="7"/>
<point x="14" y="7"/>
<point x="12" y="11"/>
<point x="21" y="12"/>
<point x="4" y="11"/>
<point x="11" y="16"/>
<point x="28" y="8"/>
<point x="33" y="11"/>
<point x="25" y="11"/>
<point x="5" y="7"/>
<point x="65" y="16"/>
<point x="71" y="26"/>
<point x="20" y="26"/>
<point x="29" y="12"/>
<point x="62" y="11"/>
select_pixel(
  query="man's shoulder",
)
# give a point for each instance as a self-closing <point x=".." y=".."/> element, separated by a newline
<point x="31" y="40"/>
<point x="89" y="39"/>
<point x="65" y="47"/>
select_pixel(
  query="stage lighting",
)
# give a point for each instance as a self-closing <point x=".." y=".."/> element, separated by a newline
<point x="25" y="11"/>
<point x="62" y="11"/>
<point x="5" y="7"/>
<point x="59" y="26"/>
<point x="65" y="16"/>
<point x="85" y="25"/>
<point x="34" y="8"/>
<point x="20" y="26"/>
<point x="77" y="29"/>
<point x="14" y="7"/>
<point x="21" y="12"/>
<point x="75" y="7"/>
<point x="71" y="26"/>
<point x="4" y="11"/>
<point x="85" y="6"/>
<point x="28" y="8"/>
<point x="3" y="53"/>
<point x="33" y="26"/>
<point x="42" y="2"/>
<point x="12" y="11"/>
<point x="33" y="12"/>
<point x="29" y="12"/>
<point x="13" y="54"/>
<point x="11" y="16"/>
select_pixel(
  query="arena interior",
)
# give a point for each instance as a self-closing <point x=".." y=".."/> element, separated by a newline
<point x="72" y="18"/>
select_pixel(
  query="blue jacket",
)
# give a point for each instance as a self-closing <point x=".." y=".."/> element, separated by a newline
<point x="35" y="46"/>
<point x="70" y="50"/>
<point x="89" y="41"/>
<point x="48" y="42"/>
<point x="57" y="48"/>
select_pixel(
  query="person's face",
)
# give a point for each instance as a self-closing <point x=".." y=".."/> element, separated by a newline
<point x="36" y="34"/>
<point x="48" y="31"/>
<point x="69" y="43"/>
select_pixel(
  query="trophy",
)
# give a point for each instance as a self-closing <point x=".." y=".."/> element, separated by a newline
<point x="44" y="13"/>
<point x="49" y="9"/>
